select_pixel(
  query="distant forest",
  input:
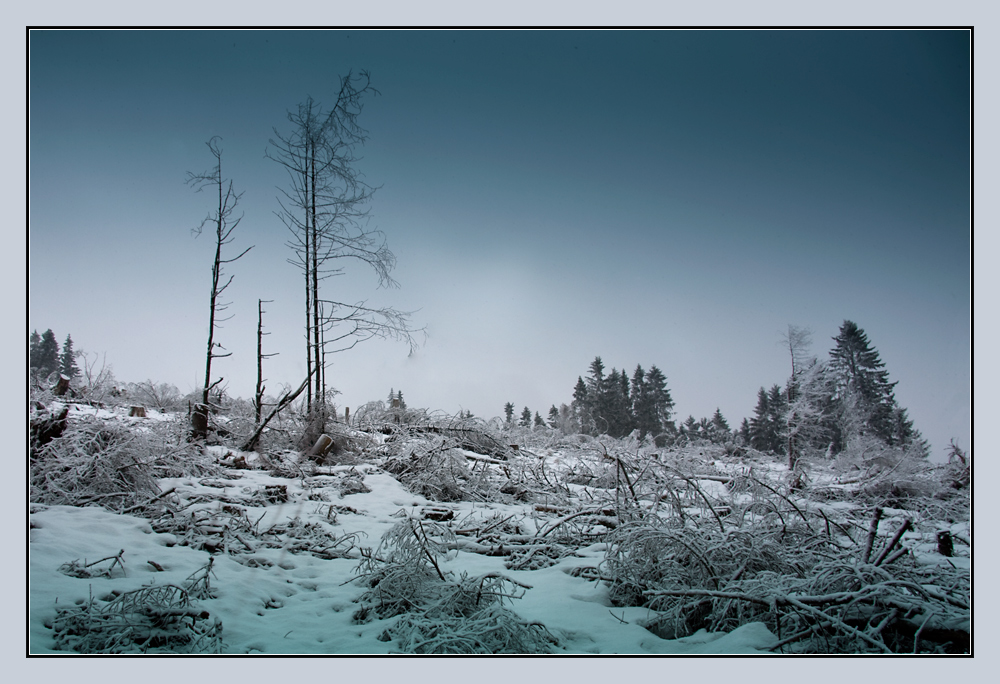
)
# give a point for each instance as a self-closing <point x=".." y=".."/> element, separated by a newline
<point x="823" y="403"/>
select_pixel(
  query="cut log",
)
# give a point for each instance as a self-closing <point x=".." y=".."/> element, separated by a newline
<point x="320" y="448"/>
<point x="61" y="387"/>
<point x="137" y="412"/>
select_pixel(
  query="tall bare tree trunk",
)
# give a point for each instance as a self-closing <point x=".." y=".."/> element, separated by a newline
<point x="321" y="400"/>
<point x="216" y="267"/>
<point x="224" y="224"/>
<point x="259" y="395"/>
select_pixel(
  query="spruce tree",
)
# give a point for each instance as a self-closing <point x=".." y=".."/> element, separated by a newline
<point x="67" y="360"/>
<point x="525" y="417"/>
<point x="48" y="354"/>
<point x="690" y="428"/>
<point x="615" y="410"/>
<point x="661" y="405"/>
<point x="744" y="431"/>
<point x="643" y="412"/>
<point x="864" y="396"/>
<point x="581" y="407"/>
<point x="538" y="420"/>
<point x="508" y="412"/>
<point x="553" y="417"/>
<point x="777" y="403"/>
<point x="764" y="426"/>
<point x="719" y="428"/>
<point x="597" y="399"/>
<point x="34" y="350"/>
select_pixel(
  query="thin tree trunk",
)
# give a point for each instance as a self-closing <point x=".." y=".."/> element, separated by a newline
<point x="315" y="286"/>
<point x="260" y="362"/>
<point x="216" y="267"/>
<point x="308" y="265"/>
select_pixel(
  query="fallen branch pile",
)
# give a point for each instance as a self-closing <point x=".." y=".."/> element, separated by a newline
<point x="442" y="614"/>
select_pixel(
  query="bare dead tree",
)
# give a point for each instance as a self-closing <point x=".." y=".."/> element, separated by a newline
<point x="259" y="396"/>
<point x="326" y="210"/>
<point x="808" y="390"/>
<point x="796" y="339"/>
<point x="224" y="221"/>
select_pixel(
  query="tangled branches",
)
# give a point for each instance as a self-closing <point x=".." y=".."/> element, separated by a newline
<point x="156" y="619"/>
<point x="441" y="614"/>
<point x="819" y="592"/>
<point x="109" y="464"/>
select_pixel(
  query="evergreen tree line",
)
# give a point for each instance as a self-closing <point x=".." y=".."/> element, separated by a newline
<point x="45" y="358"/>
<point x="611" y="404"/>
<point x="714" y="429"/>
<point x="615" y="405"/>
<point x="526" y="419"/>
<point x="822" y="407"/>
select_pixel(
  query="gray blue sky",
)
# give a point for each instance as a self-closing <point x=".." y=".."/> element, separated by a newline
<point x="657" y="197"/>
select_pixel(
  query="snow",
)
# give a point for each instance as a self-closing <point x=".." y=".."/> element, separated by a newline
<point x="278" y="602"/>
<point x="285" y="594"/>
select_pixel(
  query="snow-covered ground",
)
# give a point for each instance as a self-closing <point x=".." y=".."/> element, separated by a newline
<point x="279" y="602"/>
<point x="280" y="558"/>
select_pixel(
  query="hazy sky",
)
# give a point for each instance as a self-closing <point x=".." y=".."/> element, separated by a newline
<point x="657" y="197"/>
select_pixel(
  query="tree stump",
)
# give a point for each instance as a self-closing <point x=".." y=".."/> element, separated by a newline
<point x="946" y="546"/>
<point x="61" y="387"/>
<point x="199" y="422"/>
<point x="137" y="412"/>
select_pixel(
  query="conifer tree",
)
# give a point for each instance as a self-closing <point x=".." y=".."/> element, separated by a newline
<point x="525" y="417"/>
<point x="719" y="427"/>
<point x="614" y="411"/>
<point x="744" y="431"/>
<point x="690" y="428"/>
<point x="553" y="417"/>
<point x="597" y="398"/>
<point x="864" y="396"/>
<point x="34" y="350"/>
<point x="661" y="405"/>
<point x="48" y="354"/>
<point x="67" y="361"/>
<point x="582" y="407"/>
<point x="538" y="420"/>
<point x="766" y="425"/>
<point x="508" y="412"/>
<point x="705" y="429"/>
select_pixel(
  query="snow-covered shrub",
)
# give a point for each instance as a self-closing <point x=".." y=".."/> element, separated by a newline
<point x="469" y="617"/>
<point x="435" y="473"/>
<point x="109" y="463"/>
<point x="439" y="613"/>
<point x="154" y="619"/>
<point x="161" y="396"/>
<point x="401" y="571"/>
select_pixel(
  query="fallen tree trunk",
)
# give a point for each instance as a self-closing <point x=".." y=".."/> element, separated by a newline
<point x="285" y="400"/>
